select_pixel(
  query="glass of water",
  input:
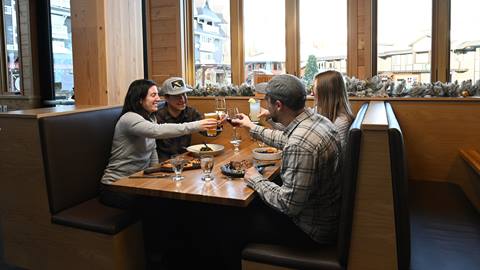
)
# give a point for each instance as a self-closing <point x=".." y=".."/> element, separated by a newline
<point x="178" y="163"/>
<point x="207" y="162"/>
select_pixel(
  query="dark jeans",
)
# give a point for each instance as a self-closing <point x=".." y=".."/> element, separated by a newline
<point x="268" y="226"/>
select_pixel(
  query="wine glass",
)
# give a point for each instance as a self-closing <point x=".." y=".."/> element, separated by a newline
<point x="233" y="113"/>
<point x="221" y="110"/>
<point x="178" y="163"/>
<point x="206" y="163"/>
<point x="220" y="107"/>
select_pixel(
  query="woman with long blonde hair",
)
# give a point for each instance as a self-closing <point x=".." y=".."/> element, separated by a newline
<point x="332" y="102"/>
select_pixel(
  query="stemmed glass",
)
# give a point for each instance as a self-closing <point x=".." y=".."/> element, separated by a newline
<point x="233" y="113"/>
<point x="207" y="162"/>
<point x="178" y="163"/>
<point x="220" y="107"/>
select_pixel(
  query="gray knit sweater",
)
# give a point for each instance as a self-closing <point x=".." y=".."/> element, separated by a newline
<point x="133" y="146"/>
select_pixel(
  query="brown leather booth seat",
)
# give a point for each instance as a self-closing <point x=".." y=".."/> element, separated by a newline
<point x="321" y="257"/>
<point x="436" y="225"/>
<point x="76" y="149"/>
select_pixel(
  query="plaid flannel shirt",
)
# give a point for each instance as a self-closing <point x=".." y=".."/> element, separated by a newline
<point x="311" y="164"/>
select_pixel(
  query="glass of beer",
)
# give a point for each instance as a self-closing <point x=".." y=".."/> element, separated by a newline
<point x="213" y="131"/>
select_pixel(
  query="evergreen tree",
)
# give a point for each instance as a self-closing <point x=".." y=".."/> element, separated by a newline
<point x="310" y="70"/>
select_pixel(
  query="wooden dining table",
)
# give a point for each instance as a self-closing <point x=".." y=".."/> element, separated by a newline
<point x="222" y="190"/>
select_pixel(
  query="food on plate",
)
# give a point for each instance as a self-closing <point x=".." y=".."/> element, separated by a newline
<point x="205" y="149"/>
<point x="240" y="165"/>
<point x="266" y="150"/>
<point x="192" y="163"/>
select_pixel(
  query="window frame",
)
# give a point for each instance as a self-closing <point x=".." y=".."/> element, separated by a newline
<point x="361" y="40"/>
<point x="3" y="58"/>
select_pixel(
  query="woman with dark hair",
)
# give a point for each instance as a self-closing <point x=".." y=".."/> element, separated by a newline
<point x="133" y="146"/>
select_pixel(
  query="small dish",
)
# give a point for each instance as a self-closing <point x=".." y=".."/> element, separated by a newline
<point x="267" y="153"/>
<point x="228" y="171"/>
<point x="216" y="149"/>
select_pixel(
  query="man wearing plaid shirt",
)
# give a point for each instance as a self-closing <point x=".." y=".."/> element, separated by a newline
<point x="311" y="162"/>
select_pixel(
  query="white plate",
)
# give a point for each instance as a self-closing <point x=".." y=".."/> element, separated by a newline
<point x="195" y="149"/>
<point x="266" y="156"/>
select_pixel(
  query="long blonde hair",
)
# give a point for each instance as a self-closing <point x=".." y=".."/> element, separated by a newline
<point x="331" y="95"/>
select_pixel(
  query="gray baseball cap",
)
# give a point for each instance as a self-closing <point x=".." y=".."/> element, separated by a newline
<point x="174" y="86"/>
<point x="286" y="86"/>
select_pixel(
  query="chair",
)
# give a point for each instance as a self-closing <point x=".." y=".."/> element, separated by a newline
<point x="436" y="225"/>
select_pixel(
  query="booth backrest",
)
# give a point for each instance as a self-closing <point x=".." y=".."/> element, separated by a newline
<point x="76" y="148"/>
<point x="398" y="168"/>
<point x="349" y="181"/>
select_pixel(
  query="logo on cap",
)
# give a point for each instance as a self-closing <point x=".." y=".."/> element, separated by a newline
<point x="177" y="84"/>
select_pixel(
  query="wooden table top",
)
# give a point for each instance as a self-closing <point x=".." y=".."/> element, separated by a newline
<point x="221" y="190"/>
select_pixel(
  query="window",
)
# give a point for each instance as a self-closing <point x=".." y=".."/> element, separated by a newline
<point x="323" y="36"/>
<point x="264" y="37"/>
<point x="211" y="21"/>
<point x="464" y="41"/>
<point x="400" y="39"/>
<point x="11" y="66"/>
<point x="62" y="48"/>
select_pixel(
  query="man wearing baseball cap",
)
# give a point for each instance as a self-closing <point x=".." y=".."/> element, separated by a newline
<point x="175" y="110"/>
<point x="307" y="202"/>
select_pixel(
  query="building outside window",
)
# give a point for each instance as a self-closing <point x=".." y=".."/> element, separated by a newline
<point x="464" y="41"/>
<point x="211" y="24"/>
<point x="400" y="38"/>
<point x="62" y="48"/>
<point x="12" y="55"/>
<point x="323" y="34"/>
<point x="264" y="37"/>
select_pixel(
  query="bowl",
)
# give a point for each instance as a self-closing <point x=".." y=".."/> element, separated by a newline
<point x="195" y="149"/>
<point x="267" y="153"/>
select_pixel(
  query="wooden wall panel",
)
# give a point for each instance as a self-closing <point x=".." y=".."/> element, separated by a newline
<point x="89" y="55"/>
<point x="373" y="229"/>
<point x="434" y="132"/>
<point x="164" y="39"/>
<point x="124" y="47"/>
<point x="107" y="49"/>
<point x="360" y="33"/>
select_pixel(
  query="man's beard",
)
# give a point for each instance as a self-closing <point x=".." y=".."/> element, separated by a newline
<point x="274" y="118"/>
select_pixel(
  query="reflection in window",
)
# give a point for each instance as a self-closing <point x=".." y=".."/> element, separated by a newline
<point x="404" y="45"/>
<point x="323" y="39"/>
<point x="264" y="37"/>
<point x="464" y="41"/>
<point x="12" y="47"/>
<point x="211" y="24"/>
<point x="62" y="48"/>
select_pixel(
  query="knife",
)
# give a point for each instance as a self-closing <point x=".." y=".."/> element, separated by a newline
<point x="265" y="165"/>
<point x="149" y="176"/>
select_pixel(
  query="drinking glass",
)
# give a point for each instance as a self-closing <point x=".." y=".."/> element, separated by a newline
<point x="220" y="107"/>
<point x="207" y="162"/>
<point x="211" y="132"/>
<point x="178" y="163"/>
<point x="254" y="110"/>
<point x="233" y="113"/>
